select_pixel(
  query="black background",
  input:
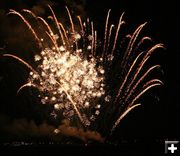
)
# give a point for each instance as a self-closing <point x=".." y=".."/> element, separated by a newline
<point x="156" y="119"/>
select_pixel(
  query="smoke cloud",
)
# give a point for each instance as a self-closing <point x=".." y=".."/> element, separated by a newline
<point x="24" y="128"/>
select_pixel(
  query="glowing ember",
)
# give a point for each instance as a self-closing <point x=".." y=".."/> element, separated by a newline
<point x="64" y="74"/>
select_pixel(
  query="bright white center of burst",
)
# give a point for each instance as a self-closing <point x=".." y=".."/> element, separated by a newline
<point x="65" y="73"/>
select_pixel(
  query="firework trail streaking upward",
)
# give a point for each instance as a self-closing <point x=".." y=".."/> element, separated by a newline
<point x="75" y="73"/>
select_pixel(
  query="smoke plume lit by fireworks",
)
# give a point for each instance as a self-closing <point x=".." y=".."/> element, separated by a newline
<point x="82" y="75"/>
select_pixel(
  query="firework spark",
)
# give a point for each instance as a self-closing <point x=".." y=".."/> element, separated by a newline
<point x="74" y="73"/>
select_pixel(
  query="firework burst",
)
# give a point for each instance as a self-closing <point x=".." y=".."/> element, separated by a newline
<point x="81" y="75"/>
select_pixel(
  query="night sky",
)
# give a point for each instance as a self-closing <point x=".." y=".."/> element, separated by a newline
<point x="157" y="118"/>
